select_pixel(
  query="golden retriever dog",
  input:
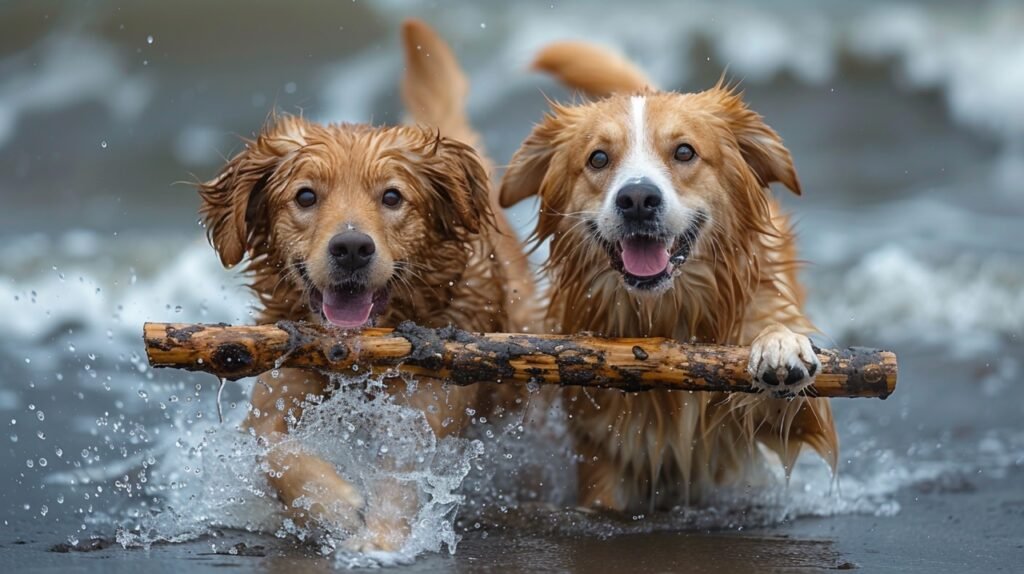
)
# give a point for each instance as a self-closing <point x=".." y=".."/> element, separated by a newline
<point x="356" y="225"/>
<point x="661" y="224"/>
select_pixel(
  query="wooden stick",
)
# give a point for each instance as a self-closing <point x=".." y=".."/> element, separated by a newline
<point x="464" y="358"/>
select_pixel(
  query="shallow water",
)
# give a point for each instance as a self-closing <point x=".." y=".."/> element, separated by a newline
<point x="908" y="135"/>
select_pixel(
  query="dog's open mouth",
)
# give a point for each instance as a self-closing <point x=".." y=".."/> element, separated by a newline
<point x="348" y="307"/>
<point x="647" y="262"/>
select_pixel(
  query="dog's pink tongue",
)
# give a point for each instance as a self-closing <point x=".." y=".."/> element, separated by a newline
<point x="347" y="310"/>
<point x="643" y="257"/>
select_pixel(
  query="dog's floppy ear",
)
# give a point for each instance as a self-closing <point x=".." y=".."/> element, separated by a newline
<point x="461" y="185"/>
<point x="529" y="165"/>
<point x="760" y="145"/>
<point x="232" y="203"/>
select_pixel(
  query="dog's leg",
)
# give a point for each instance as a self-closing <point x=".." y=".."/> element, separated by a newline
<point x="392" y="503"/>
<point x="600" y="479"/>
<point x="391" y="507"/>
<point x="310" y="487"/>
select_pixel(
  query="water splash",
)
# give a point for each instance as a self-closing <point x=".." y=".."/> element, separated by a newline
<point x="214" y="476"/>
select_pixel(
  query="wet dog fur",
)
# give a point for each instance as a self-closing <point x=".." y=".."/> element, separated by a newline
<point x="358" y="225"/>
<point x="661" y="224"/>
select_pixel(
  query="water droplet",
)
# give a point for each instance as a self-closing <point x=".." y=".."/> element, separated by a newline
<point x="220" y="391"/>
<point x="42" y="462"/>
<point x="483" y="25"/>
<point x="103" y="144"/>
<point x="149" y="39"/>
<point x="40" y="416"/>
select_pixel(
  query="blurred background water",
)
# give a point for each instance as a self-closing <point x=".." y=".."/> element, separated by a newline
<point x="906" y="122"/>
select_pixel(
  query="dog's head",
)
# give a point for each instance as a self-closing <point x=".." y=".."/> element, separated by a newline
<point x="343" y="212"/>
<point x="650" y="178"/>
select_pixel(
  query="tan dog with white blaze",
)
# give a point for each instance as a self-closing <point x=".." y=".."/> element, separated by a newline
<point x="356" y="225"/>
<point x="662" y="225"/>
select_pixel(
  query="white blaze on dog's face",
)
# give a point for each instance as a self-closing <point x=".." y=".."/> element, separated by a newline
<point x="649" y="177"/>
<point x="650" y="226"/>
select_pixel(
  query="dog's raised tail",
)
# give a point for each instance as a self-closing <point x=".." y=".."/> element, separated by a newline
<point x="595" y="71"/>
<point x="434" y="88"/>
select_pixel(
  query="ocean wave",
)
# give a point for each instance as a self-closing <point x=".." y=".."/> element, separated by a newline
<point x="97" y="290"/>
<point x="973" y="54"/>
<point x="65" y="69"/>
<point x="968" y="304"/>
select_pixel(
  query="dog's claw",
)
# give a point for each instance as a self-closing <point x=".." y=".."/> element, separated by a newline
<point x="782" y="361"/>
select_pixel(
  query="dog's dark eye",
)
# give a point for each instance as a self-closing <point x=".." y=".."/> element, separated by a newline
<point x="305" y="197"/>
<point x="598" y="159"/>
<point x="685" y="153"/>
<point x="391" y="198"/>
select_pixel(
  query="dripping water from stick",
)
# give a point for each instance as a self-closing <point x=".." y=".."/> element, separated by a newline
<point x="220" y="391"/>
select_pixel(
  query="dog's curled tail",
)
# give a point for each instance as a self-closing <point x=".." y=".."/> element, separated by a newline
<point x="595" y="71"/>
<point x="434" y="88"/>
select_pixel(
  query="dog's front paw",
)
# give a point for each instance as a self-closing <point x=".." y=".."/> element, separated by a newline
<point x="782" y="362"/>
<point x="368" y="542"/>
<point x="336" y="507"/>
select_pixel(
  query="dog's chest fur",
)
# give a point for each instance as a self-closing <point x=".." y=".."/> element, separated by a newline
<point x="665" y="444"/>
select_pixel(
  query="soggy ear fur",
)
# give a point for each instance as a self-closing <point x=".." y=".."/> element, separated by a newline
<point x="529" y="166"/>
<point x="460" y="187"/>
<point x="232" y="203"/>
<point x="760" y="145"/>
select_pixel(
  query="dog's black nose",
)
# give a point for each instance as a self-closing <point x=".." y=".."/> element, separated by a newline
<point x="638" y="201"/>
<point x="352" y="250"/>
